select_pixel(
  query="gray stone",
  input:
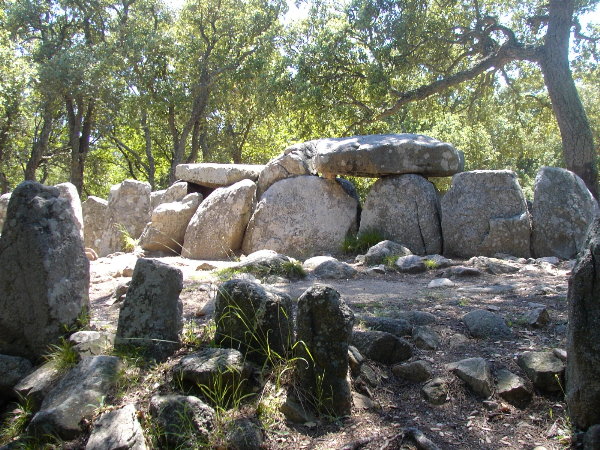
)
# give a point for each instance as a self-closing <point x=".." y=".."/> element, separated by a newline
<point x="363" y="402"/>
<point x="168" y="224"/>
<point x="265" y="262"/>
<point x="95" y="221"/>
<point x="4" y="199"/>
<point x="302" y="216"/>
<point x="150" y="316"/>
<point x="68" y="191"/>
<point x="410" y="264"/>
<point x="485" y="324"/>
<point x="184" y="421"/>
<point x="327" y="267"/>
<point x="404" y="209"/>
<point x="91" y="343"/>
<point x="461" y="272"/>
<point x="537" y="317"/>
<point x="118" y="429"/>
<point x="398" y="327"/>
<point x="387" y="154"/>
<point x="12" y="370"/>
<point x="128" y="212"/>
<point x="457" y="340"/>
<point x="156" y="198"/>
<point x="560" y="353"/>
<point x="243" y="434"/>
<point x="379" y="253"/>
<point x="324" y="324"/>
<point x="217" y="228"/>
<point x="417" y="317"/>
<point x="296" y="412"/>
<point x="591" y="439"/>
<point x="44" y="279"/>
<point x="355" y="360"/>
<point x="438" y="283"/>
<point x="217" y="175"/>
<point x="381" y="346"/>
<point x="583" y="335"/>
<point x="435" y="391"/>
<point x="35" y="386"/>
<point x="253" y="318"/>
<point x="484" y="213"/>
<point x="415" y="372"/>
<point x="494" y="265"/>
<point x="175" y="193"/>
<point x="512" y="388"/>
<point x="476" y="373"/>
<point x="425" y="338"/>
<point x="438" y="262"/>
<point x="75" y="397"/>
<point x="563" y="209"/>
<point x="545" y="370"/>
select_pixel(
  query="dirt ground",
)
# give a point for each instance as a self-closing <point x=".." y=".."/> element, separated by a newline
<point x="465" y="421"/>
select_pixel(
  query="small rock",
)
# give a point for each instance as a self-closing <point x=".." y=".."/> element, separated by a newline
<point x="512" y="388"/>
<point x="355" y="360"/>
<point x="457" y="339"/>
<point x="243" y="434"/>
<point x="410" y="264"/>
<point x="378" y="253"/>
<point x="381" y="346"/>
<point x="560" y="353"/>
<point x="537" y="318"/>
<point x="486" y="324"/>
<point x="368" y="375"/>
<point x="435" y="391"/>
<point x="362" y="401"/>
<point x="545" y="370"/>
<point x="416" y="371"/>
<point x="591" y="439"/>
<point x="12" y="370"/>
<point x="461" y="272"/>
<point x="425" y="338"/>
<point x="376" y="269"/>
<point x="438" y="262"/>
<point x="35" y="386"/>
<point x="417" y="317"/>
<point x="476" y="373"/>
<point x="548" y="259"/>
<point x="296" y="412"/>
<point x="327" y="267"/>
<point x="494" y="265"/>
<point x="117" y="429"/>
<point x="440" y="283"/>
<point x="397" y="327"/>
<point x="206" y="266"/>
<point x="91" y="343"/>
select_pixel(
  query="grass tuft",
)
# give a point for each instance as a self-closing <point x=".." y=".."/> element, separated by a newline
<point x="63" y="355"/>
<point x="360" y="243"/>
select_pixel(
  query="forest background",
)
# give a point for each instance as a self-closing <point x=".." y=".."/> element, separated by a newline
<point x="96" y="91"/>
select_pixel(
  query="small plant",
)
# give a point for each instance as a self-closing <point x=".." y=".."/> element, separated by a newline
<point x="361" y="242"/>
<point x="390" y="261"/>
<point x="63" y="355"/>
<point x="225" y="390"/>
<point x="15" y="422"/>
<point x="430" y="264"/>
<point x="464" y="301"/>
<point x="128" y="243"/>
<point x="82" y="321"/>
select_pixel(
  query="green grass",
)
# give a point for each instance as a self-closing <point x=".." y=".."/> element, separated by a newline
<point x="430" y="264"/>
<point x="360" y="243"/>
<point x="16" y="421"/>
<point x="63" y="355"/>
<point x="128" y="243"/>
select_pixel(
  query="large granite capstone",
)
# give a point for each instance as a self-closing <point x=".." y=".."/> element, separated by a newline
<point x="217" y="175"/>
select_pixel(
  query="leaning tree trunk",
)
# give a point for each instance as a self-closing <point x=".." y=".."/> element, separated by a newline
<point x="40" y="145"/>
<point x="575" y="130"/>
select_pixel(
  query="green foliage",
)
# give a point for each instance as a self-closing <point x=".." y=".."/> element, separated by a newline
<point x="430" y="264"/>
<point x="128" y="244"/>
<point x="63" y="355"/>
<point x="360" y="243"/>
<point x="16" y="420"/>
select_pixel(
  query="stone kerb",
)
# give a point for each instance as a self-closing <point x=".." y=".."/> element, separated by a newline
<point x="217" y="175"/>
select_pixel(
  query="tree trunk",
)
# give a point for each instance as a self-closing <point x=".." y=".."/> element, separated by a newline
<point x="80" y="129"/>
<point x="575" y="130"/>
<point x="148" y="147"/>
<point x="40" y="144"/>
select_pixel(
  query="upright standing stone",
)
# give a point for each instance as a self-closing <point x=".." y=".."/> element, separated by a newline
<point x="583" y="335"/>
<point x="150" y="316"/>
<point x="128" y="212"/>
<point x="563" y="209"/>
<point x="69" y="192"/>
<point x="4" y="199"/>
<point x="324" y="324"/>
<point x="45" y="276"/>
<point x="404" y="209"/>
<point x="95" y="220"/>
<point x="485" y="213"/>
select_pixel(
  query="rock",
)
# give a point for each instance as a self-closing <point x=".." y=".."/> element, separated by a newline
<point x="440" y="283"/>
<point x="537" y="317"/>
<point x="217" y="175"/>
<point x="583" y="335"/>
<point x="545" y="370"/>
<point x="410" y="264"/>
<point x="415" y="372"/>
<point x="150" y="316"/>
<point x="175" y="193"/>
<point x="563" y="209"/>
<point x="253" y="319"/>
<point x="493" y="265"/>
<point x="69" y="192"/>
<point x="128" y="213"/>
<point x="288" y="219"/>
<point x="591" y="439"/>
<point x="384" y="250"/>
<point x="229" y="207"/>
<point x="91" y="343"/>
<point x="12" y="370"/>
<point x="476" y="373"/>
<point x="485" y="324"/>
<point x="117" y="429"/>
<point x="512" y="388"/>
<point x="417" y="317"/>
<point x="355" y="360"/>
<point x="75" y="397"/>
<point x="184" y="421"/>
<point x="484" y="213"/>
<point x="387" y="154"/>
<point x="438" y="262"/>
<point x="296" y="160"/>
<point x="379" y="269"/>
<point x="156" y="198"/>
<point x="296" y="412"/>
<point x="425" y="338"/>
<point x="560" y="353"/>
<point x="266" y="262"/>
<point x="404" y="209"/>
<point x="461" y="272"/>
<point x="381" y="346"/>
<point x="327" y="267"/>
<point x="324" y="325"/>
<point x="91" y="254"/>
<point x="120" y="292"/>
<point x="222" y="368"/>
<point x="362" y="401"/>
<point x="45" y="274"/>
<point x="435" y="391"/>
<point x="35" y="386"/>
<point x="457" y="340"/>
<point x="168" y="224"/>
<point x="4" y="199"/>
<point x="397" y="327"/>
<point x="206" y="266"/>
<point x="243" y="434"/>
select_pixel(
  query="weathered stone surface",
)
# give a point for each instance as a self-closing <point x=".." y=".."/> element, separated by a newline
<point x="118" y="429"/>
<point x="300" y="217"/>
<point x="295" y="160"/>
<point x="461" y="272"/>
<point x="410" y="264"/>
<point x="184" y="421"/>
<point x="12" y="370"/>
<point x="494" y="265"/>
<point x="379" y="253"/>
<point x="68" y="191"/>
<point x="425" y="338"/>
<point x="44" y="279"/>
<point x="4" y="199"/>
<point x="397" y="327"/>
<point x="439" y="283"/>
<point x="415" y="372"/>
<point x="324" y="324"/>
<point x="243" y="434"/>
<point x="151" y="313"/>
<point x="267" y="262"/>
<point x="416" y="317"/>
<point x="485" y="324"/>
<point x="91" y="343"/>
<point x="512" y="388"/>
<point x="537" y="317"/>
<point x="563" y="209"/>
<point x="295" y="411"/>
<point x="591" y="439"/>
<point x="381" y="346"/>
<point x="35" y="386"/>
<point x="476" y="373"/>
<point x="95" y="221"/>
<point x="251" y="318"/>
<point x="438" y="261"/>
<point x="404" y="209"/>
<point x="435" y="391"/>
<point x="217" y="175"/>
<point x="75" y="397"/>
<point x="217" y="228"/>
<point x="545" y="370"/>
<point x="166" y="229"/>
<point x="175" y="193"/>
<point x="484" y="213"/>
<point x="583" y="335"/>
<point x="387" y="154"/>
<point x="156" y="198"/>
<point x="128" y="211"/>
<point x="327" y="267"/>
